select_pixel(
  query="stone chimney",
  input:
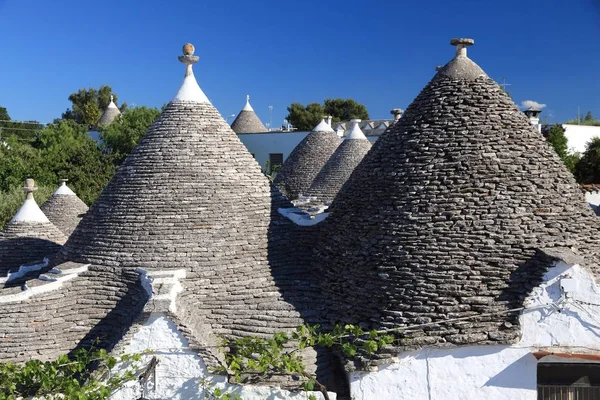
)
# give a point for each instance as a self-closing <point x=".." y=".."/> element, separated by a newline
<point x="329" y="118"/>
<point x="533" y="114"/>
<point x="397" y="113"/>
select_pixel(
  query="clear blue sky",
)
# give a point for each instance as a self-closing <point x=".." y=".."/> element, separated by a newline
<point x="381" y="53"/>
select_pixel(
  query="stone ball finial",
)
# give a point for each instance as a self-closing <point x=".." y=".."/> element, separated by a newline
<point x="461" y="45"/>
<point x="188" y="57"/>
<point x="29" y="186"/>
<point x="188" y="49"/>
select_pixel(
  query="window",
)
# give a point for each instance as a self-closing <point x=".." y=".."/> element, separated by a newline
<point x="568" y="380"/>
<point x="275" y="162"/>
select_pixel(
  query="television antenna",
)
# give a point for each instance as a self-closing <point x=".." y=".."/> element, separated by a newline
<point x="504" y="84"/>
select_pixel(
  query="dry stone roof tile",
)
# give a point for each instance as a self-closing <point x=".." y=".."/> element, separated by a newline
<point x="338" y="169"/>
<point x="190" y="196"/>
<point x="247" y="121"/>
<point x="64" y="209"/>
<point x="99" y="304"/>
<point x="446" y="214"/>
<point x="29" y="236"/>
<point x="109" y="114"/>
<point x="306" y="160"/>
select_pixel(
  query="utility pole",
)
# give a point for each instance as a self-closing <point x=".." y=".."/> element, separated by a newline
<point x="270" y="117"/>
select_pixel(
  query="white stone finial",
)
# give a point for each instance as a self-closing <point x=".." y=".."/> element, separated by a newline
<point x="112" y="98"/>
<point x="29" y="211"/>
<point x="461" y="45"/>
<point x="63" y="189"/>
<point x="29" y="188"/>
<point x="247" y="107"/>
<point x="323" y="127"/>
<point x="189" y="90"/>
<point x="356" y="132"/>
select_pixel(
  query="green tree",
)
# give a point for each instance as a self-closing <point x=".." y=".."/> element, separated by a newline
<point x="88" y="104"/>
<point x="67" y="151"/>
<point x="588" y="168"/>
<point x="589" y="116"/>
<point x="125" y="132"/>
<point x="555" y="135"/>
<point x="306" y="118"/>
<point x="345" y="110"/>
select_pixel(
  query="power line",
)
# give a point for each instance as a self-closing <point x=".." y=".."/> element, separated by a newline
<point x="21" y="122"/>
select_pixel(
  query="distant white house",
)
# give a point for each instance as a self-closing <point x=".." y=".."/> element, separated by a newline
<point x="578" y="136"/>
<point x="274" y="147"/>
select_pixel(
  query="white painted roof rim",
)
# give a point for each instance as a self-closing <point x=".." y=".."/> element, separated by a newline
<point x="323" y="127"/>
<point x="190" y="91"/>
<point x="356" y="133"/>
<point x="29" y="212"/>
<point x="63" y="190"/>
<point x="112" y="105"/>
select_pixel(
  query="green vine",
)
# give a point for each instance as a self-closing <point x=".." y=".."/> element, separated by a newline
<point x="87" y="375"/>
<point x="251" y="358"/>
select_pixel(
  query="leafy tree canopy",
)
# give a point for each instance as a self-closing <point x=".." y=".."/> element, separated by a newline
<point x="307" y="117"/>
<point x="587" y="169"/>
<point x="88" y="104"/>
<point x="62" y="149"/>
<point x="555" y="135"/>
<point x="589" y="116"/>
<point x="127" y="129"/>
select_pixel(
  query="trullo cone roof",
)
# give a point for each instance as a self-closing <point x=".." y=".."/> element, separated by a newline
<point x="247" y="121"/>
<point x="64" y="209"/>
<point x="444" y="216"/>
<point x="306" y="160"/>
<point x="29" y="236"/>
<point x="190" y="196"/>
<point x="109" y="114"/>
<point x="340" y="165"/>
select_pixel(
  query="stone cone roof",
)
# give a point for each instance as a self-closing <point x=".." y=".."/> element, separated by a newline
<point x="64" y="209"/>
<point x="28" y="237"/>
<point x="110" y="113"/>
<point x="191" y="197"/>
<point x="306" y="160"/>
<point x="247" y="121"/>
<point x="67" y="309"/>
<point x="340" y="165"/>
<point x="446" y="215"/>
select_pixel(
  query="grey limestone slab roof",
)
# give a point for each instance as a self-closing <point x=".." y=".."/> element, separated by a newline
<point x="338" y="169"/>
<point x="446" y="215"/>
<point x="26" y="242"/>
<point x="64" y="211"/>
<point x="247" y="122"/>
<point x="305" y="162"/>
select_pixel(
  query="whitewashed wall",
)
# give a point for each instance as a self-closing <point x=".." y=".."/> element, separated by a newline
<point x="579" y="135"/>
<point x="180" y="370"/>
<point x="262" y="144"/>
<point x="593" y="199"/>
<point x="496" y="372"/>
